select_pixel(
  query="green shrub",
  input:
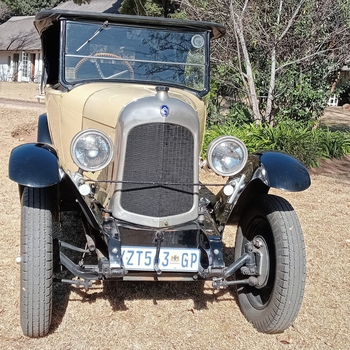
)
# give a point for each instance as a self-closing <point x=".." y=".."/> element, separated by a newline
<point x="306" y="142"/>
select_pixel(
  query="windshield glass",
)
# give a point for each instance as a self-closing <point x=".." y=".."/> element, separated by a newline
<point x="102" y="51"/>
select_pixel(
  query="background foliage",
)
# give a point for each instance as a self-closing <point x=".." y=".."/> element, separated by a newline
<point x="30" y="7"/>
<point x="25" y="8"/>
<point x="154" y="8"/>
<point x="306" y="142"/>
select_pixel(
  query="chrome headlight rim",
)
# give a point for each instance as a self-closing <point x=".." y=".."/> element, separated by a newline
<point x="223" y="139"/>
<point x="92" y="132"/>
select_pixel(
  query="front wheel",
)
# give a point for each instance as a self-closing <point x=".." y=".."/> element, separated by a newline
<point x="36" y="261"/>
<point x="271" y="224"/>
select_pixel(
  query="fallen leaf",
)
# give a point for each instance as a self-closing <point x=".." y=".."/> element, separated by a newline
<point x="284" y="338"/>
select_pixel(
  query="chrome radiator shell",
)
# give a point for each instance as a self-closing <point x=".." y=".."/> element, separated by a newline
<point x="156" y="162"/>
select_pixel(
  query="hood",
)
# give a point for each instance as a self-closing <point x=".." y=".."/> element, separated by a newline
<point x="104" y="105"/>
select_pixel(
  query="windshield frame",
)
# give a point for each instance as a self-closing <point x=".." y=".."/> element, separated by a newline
<point x="100" y="26"/>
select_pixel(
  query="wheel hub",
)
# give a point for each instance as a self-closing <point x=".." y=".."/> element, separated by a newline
<point x="262" y="261"/>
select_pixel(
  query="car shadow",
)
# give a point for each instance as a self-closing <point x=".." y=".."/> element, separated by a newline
<point x="61" y="295"/>
<point x="118" y="293"/>
<point x="67" y="229"/>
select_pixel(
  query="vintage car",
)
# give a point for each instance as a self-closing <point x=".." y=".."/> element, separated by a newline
<point x="120" y="144"/>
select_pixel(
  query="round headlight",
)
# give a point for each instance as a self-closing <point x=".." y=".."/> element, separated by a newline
<point x="227" y="155"/>
<point x="91" y="150"/>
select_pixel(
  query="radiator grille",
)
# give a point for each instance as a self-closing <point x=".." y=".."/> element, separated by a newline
<point x="158" y="152"/>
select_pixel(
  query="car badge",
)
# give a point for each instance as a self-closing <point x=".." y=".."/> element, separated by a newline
<point x="164" y="111"/>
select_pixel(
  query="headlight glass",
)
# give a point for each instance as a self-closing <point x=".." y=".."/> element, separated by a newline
<point x="91" y="150"/>
<point x="227" y="155"/>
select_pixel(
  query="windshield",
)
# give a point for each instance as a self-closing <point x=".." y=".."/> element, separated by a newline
<point x="102" y="51"/>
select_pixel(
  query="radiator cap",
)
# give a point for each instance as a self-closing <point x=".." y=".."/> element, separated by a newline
<point x="162" y="93"/>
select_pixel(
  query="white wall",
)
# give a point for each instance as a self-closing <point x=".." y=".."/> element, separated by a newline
<point x="4" y="67"/>
<point x="26" y="71"/>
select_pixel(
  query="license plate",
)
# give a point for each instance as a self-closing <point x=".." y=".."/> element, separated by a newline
<point x="170" y="259"/>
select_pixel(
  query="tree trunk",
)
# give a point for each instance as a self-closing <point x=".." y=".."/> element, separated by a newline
<point x="252" y="95"/>
<point x="270" y="96"/>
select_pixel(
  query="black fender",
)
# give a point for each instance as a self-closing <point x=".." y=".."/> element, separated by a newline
<point x="34" y="165"/>
<point x="276" y="169"/>
<point x="254" y="188"/>
<point x="284" y="171"/>
<point x="90" y="208"/>
<point x="43" y="130"/>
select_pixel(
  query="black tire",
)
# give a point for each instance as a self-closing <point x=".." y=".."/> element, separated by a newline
<point x="273" y="306"/>
<point x="36" y="262"/>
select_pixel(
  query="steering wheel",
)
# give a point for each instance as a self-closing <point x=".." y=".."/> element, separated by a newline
<point x="98" y="67"/>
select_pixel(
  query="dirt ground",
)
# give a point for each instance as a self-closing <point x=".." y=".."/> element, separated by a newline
<point x="139" y="315"/>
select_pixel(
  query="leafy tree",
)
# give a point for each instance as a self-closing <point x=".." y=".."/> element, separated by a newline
<point x="154" y="8"/>
<point x="29" y="8"/>
<point x="10" y="8"/>
<point x="281" y="50"/>
<point x="5" y="12"/>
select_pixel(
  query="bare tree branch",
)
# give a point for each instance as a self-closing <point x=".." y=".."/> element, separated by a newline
<point x="238" y="26"/>
<point x="292" y="20"/>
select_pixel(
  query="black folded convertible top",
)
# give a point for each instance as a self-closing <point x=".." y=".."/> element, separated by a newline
<point x="46" y="18"/>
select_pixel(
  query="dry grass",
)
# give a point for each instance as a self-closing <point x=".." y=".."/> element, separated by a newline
<point x="139" y="315"/>
<point x="19" y="91"/>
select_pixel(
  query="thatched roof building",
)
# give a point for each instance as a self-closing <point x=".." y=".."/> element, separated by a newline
<point x="19" y="34"/>
<point x="20" y="46"/>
